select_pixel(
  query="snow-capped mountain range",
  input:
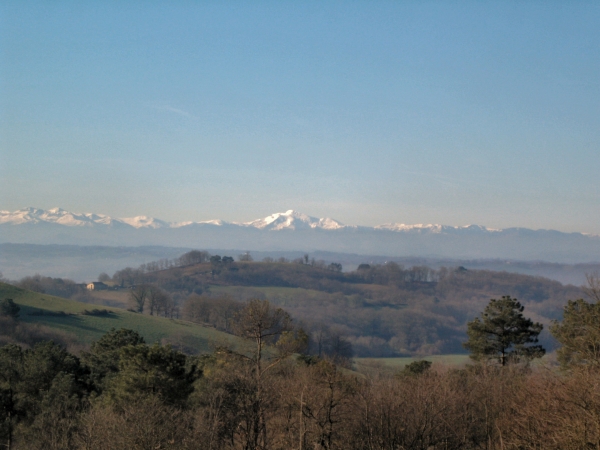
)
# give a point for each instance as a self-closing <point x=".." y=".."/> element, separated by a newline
<point x="62" y="217"/>
<point x="289" y="220"/>
<point x="294" y="231"/>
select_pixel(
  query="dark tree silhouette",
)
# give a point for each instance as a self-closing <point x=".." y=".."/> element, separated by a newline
<point x="502" y="332"/>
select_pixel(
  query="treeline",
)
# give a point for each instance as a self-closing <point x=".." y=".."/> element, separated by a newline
<point x="404" y="318"/>
<point x="126" y="394"/>
<point x="221" y="312"/>
<point x="60" y="287"/>
<point x="379" y="309"/>
<point x="130" y="276"/>
<point x="222" y="268"/>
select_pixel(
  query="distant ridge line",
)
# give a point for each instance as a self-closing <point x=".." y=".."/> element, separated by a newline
<point x="289" y="220"/>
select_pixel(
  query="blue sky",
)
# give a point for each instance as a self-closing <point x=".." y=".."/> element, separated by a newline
<point x="367" y="112"/>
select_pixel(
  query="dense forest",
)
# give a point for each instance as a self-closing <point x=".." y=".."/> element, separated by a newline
<point x="377" y="310"/>
<point x="122" y="393"/>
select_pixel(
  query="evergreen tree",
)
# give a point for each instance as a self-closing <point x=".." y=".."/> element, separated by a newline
<point x="415" y="368"/>
<point x="152" y="371"/>
<point x="105" y="354"/>
<point x="11" y="371"/>
<point x="579" y="334"/>
<point x="503" y="333"/>
<point x="9" y="308"/>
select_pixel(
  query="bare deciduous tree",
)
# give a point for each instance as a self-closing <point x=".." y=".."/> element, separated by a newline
<point x="138" y="295"/>
<point x="158" y="300"/>
<point x="262" y="324"/>
<point x="592" y="290"/>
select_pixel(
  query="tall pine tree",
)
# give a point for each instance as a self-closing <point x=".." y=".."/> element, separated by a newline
<point x="503" y="333"/>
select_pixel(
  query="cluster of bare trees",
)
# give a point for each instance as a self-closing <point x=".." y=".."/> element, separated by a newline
<point x="187" y="259"/>
<point x="394" y="273"/>
<point x="60" y="287"/>
<point x="317" y="406"/>
<point x="151" y="298"/>
<point x="221" y="312"/>
<point x="218" y="312"/>
<point x="130" y="276"/>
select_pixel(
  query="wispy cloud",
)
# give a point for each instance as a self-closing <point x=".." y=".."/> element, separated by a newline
<point x="170" y="109"/>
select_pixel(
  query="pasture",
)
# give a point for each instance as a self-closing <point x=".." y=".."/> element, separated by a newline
<point x="69" y="316"/>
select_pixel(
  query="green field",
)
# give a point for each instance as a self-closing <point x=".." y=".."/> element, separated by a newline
<point x="117" y="299"/>
<point x="88" y="328"/>
<point x="399" y="363"/>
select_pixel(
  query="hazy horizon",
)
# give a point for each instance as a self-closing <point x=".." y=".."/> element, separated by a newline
<point x="366" y="112"/>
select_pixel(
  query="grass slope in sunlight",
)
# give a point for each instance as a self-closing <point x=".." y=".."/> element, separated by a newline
<point x="186" y="335"/>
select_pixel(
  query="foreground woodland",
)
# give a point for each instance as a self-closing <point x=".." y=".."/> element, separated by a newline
<point x="125" y="394"/>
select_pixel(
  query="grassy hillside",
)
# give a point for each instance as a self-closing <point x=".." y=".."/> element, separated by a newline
<point x="87" y="328"/>
<point x="117" y="299"/>
<point x="381" y="310"/>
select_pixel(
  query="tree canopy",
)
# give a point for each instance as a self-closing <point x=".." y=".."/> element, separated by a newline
<point x="503" y="333"/>
<point x="578" y="334"/>
<point x="9" y="308"/>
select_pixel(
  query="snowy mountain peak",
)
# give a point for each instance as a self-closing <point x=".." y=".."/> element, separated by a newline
<point x="292" y="230"/>
<point x="293" y="220"/>
<point x="419" y="227"/>
<point x="144" y="222"/>
<point x="289" y="220"/>
<point x="54" y="215"/>
<point x="217" y="222"/>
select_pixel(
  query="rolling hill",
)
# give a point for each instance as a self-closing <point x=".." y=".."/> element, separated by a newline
<point x="382" y="310"/>
<point x="70" y="316"/>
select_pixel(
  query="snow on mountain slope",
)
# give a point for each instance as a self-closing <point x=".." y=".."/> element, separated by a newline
<point x="57" y="226"/>
<point x="145" y="222"/>
<point x="293" y="220"/>
<point x="434" y="228"/>
<point x="289" y="220"/>
<point x="403" y="227"/>
<point x="62" y="217"/>
<point x="54" y="215"/>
